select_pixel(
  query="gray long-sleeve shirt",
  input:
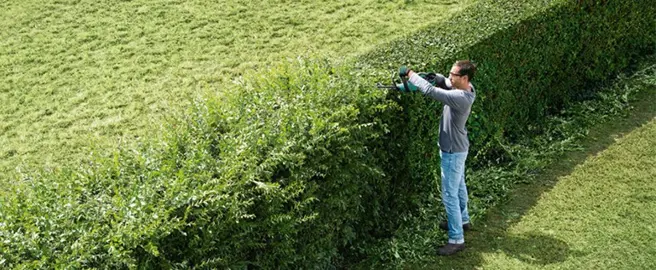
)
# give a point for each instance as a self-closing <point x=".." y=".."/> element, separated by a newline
<point x="457" y="107"/>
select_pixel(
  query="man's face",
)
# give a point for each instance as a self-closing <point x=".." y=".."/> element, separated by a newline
<point x="457" y="80"/>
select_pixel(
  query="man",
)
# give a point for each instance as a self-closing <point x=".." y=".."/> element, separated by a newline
<point x="454" y="146"/>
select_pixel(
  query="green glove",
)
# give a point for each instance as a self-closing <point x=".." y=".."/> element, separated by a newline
<point x="403" y="71"/>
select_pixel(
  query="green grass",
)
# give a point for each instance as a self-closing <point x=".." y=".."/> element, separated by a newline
<point x="79" y="74"/>
<point x="592" y="209"/>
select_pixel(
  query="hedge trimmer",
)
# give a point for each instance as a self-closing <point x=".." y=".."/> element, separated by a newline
<point x="403" y="85"/>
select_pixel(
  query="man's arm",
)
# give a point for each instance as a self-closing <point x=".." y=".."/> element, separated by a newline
<point x="454" y="99"/>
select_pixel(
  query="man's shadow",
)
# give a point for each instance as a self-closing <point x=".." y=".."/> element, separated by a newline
<point x="490" y="233"/>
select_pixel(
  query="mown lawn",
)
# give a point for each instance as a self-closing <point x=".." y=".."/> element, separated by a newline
<point x="593" y="209"/>
<point x="79" y="73"/>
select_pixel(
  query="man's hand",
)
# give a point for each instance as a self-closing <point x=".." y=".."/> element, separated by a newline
<point x="404" y="71"/>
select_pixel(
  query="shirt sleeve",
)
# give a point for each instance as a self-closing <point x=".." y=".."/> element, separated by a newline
<point x="454" y="99"/>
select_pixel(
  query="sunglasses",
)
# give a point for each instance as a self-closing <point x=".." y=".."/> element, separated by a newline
<point x="456" y="74"/>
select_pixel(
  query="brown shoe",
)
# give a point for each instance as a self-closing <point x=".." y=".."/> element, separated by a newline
<point x="445" y="226"/>
<point x="450" y="249"/>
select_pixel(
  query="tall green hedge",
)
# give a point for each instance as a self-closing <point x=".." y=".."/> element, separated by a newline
<point x="278" y="173"/>
<point x="308" y="165"/>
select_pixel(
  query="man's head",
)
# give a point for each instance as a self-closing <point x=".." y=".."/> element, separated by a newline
<point x="461" y="74"/>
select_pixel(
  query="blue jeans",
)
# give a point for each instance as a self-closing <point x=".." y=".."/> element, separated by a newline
<point x="454" y="193"/>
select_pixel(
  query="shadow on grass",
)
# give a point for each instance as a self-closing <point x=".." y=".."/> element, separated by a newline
<point x="490" y="234"/>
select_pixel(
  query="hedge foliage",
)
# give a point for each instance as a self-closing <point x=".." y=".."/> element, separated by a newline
<point x="277" y="174"/>
<point x="308" y="165"/>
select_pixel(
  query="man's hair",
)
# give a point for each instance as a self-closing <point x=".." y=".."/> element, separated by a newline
<point x="467" y="68"/>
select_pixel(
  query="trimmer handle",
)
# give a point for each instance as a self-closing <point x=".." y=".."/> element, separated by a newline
<point x="404" y="79"/>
